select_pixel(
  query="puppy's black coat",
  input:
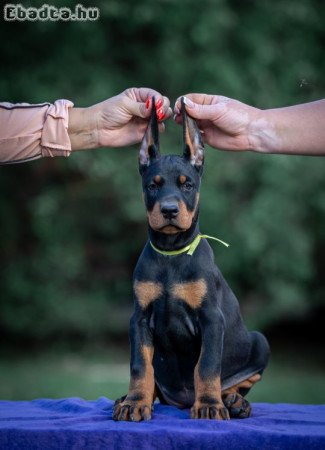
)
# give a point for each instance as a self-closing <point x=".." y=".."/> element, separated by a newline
<point x="189" y="345"/>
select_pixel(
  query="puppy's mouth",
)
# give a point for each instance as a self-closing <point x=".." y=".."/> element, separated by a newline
<point x="170" y="228"/>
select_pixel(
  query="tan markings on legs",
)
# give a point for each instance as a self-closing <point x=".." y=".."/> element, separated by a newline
<point x="147" y="292"/>
<point x="141" y="395"/>
<point x="210" y="388"/>
<point x="248" y="383"/>
<point x="236" y="404"/>
<point x="191" y="293"/>
<point x="208" y="403"/>
<point x="145" y="385"/>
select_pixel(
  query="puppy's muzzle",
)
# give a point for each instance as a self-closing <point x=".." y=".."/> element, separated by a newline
<point x="169" y="210"/>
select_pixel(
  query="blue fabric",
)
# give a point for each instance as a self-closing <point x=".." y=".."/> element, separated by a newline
<point x="74" y="423"/>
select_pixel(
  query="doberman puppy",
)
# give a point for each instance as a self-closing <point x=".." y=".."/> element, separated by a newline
<point x="189" y="345"/>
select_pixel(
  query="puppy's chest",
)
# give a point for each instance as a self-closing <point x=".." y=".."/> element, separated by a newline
<point x="173" y="305"/>
<point x="171" y="294"/>
<point x="174" y="315"/>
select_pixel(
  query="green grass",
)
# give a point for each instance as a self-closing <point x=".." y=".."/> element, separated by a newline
<point x="67" y="374"/>
<point x="87" y="374"/>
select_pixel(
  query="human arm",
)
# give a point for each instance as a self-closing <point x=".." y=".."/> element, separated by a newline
<point x="116" y="122"/>
<point x="29" y="132"/>
<point x="228" y="124"/>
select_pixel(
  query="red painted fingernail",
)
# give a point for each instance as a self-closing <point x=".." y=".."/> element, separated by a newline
<point x="148" y="103"/>
<point x="159" y="104"/>
<point x="160" y="114"/>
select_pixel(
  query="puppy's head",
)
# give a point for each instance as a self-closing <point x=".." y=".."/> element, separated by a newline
<point x="171" y="183"/>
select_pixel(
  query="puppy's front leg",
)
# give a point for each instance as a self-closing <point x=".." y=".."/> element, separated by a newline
<point x="208" y="403"/>
<point x="137" y="405"/>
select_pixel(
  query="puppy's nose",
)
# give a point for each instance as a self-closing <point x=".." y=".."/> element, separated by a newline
<point x="169" y="210"/>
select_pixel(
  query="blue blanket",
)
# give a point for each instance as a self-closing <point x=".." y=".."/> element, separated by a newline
<point x="74" y="423"/>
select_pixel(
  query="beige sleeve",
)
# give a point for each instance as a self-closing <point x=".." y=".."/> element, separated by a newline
<point x="29" y="132"/>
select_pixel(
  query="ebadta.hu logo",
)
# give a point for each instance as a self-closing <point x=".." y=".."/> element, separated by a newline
<point x="12" y="12"/>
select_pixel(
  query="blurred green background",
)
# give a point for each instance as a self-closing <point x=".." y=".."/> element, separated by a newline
<point x="71" y="229"/>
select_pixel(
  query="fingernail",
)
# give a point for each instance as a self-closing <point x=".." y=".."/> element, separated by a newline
<point x="174" y="116"/>
<point x="160" y="114"/>
<point x="148" y="103"/>
<point x="188" y="102"/>
<point x="159" y="104"/>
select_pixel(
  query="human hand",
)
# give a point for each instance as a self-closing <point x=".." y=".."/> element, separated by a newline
<point x="225" y="123"/>
<point x="116" y="122"/>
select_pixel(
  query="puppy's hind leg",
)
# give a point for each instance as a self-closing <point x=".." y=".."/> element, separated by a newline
<point x="236" y="404"/>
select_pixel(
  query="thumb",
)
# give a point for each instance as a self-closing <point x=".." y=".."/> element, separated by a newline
<point x="203" y="112"/>
<point x="136" y="108"/>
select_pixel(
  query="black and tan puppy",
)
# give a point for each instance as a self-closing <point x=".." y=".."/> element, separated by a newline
<point x="189" y="345"/>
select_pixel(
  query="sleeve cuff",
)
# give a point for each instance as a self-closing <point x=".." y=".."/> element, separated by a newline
<point x="55" y="139"/>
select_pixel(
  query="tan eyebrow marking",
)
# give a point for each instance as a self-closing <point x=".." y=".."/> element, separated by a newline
<point x="157" y="179"/>
<point x="182" y="179"/>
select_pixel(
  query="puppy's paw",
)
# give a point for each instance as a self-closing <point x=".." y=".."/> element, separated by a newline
<point x="209" y="410"/>
<point x="132" y="410"/>
<point x="237" y="405"/>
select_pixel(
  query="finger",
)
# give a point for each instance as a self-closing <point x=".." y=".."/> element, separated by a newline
<point x="162" y="115"/>
<point x="143" y="110"/>
<point x="202" y="106"/>
<point x="161" y="127"/>
<point x="137" y="105"/>
<point x="204" y="112"/>
<point x="136" y="108"/>
<point x="177" y="118"/>
<point x="163" y="109"/>
<point x="166" y="108"/>
<point x="143" y="93"/>
<point x="202" y="99"/>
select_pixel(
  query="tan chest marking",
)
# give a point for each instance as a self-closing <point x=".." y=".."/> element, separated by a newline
<point x="147" y="292"/>
<point x="191" y="293"/>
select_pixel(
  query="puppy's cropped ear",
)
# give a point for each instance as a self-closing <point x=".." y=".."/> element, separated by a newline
<point x="193" y="143"/>
<point x="149" y="150"/>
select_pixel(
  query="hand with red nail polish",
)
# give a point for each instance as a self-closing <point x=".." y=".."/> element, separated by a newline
<point x="122" y="120"/>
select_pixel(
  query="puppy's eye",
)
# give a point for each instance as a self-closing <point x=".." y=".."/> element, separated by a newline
<point x="152" y="187"/>
<point x="187" y="186"/>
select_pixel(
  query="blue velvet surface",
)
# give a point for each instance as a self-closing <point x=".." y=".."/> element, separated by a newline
<point x="73" y="423"/>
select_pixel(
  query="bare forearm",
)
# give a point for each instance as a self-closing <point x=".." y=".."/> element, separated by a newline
<point x="83" y="130"/>
<point x="296" y="129"/>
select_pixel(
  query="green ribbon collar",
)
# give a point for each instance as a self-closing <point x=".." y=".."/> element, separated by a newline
<point x="189" y="249"/>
